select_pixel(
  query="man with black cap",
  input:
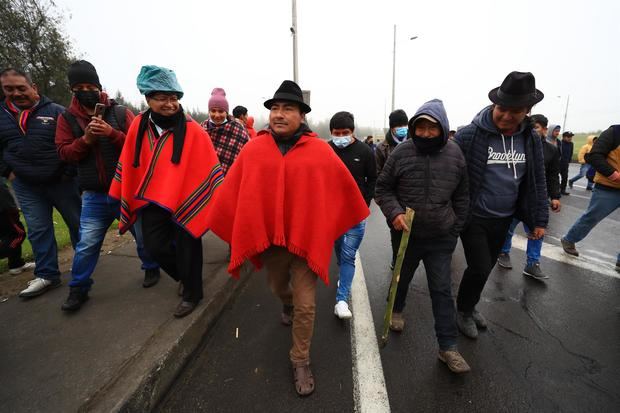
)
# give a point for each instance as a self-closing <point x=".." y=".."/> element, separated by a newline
<point x="506" y="179"/>
<point x="360" y="161"/>
<point x="94" y="144"/>
<point x="397" y="134"/>
<point x="284" y="202"/>
<point x="428" y="174"/>
<point x="41" y="180"/>
<point x="566" y="155"/>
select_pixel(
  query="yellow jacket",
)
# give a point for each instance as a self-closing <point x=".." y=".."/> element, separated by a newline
<point x="585" y="149"/>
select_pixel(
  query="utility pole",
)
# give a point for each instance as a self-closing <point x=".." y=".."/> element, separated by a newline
<point x="394" y="70"/>
<point x="294" y="31"/>
<point x="565" y="114"/>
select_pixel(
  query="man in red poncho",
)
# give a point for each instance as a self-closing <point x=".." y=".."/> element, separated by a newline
<point x="284" y="202"/>
<point x="167" y="173"/>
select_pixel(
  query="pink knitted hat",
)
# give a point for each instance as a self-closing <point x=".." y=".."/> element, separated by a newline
<point x="218" y="99"/>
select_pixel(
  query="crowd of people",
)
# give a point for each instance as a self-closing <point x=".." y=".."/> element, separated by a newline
<point x="284" y="198"/>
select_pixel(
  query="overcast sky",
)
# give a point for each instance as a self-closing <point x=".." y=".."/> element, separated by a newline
<point x="463" y="49"/>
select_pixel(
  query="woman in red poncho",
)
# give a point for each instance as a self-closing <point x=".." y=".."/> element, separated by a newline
<point x="168" y="172"/>
<point x="284" y="202"/>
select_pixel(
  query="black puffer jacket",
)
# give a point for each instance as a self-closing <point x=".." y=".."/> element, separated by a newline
<point x="433" y="185"/>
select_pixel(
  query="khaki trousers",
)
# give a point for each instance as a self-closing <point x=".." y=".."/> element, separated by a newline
<point x="294" y="283"/>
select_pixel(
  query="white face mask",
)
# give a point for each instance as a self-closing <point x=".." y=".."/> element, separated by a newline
<point x="342" y="141"/>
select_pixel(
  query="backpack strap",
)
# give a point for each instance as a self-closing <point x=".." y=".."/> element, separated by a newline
<point x="120" y="113"/>
<point x="76" y="129"/>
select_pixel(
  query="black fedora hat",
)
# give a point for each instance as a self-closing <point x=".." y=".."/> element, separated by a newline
<point x="289" y="91"/>
<point x="517" y="90"/>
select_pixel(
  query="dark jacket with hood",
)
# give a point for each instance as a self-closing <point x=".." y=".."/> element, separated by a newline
<point x="433" y="184"/>
<point x="384" y="149"/>
<point x="605" y="158"/>
<point x="531" y="203"/>
<point x="32" y="155"/>
<point x="552" y="169"/>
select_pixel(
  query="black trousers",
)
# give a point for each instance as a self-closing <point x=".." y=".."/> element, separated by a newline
<point x="395" y="237"/>
<point x="482" y="242"/>
<point x="563" y="177"/>
<point x="13" y="254"/>
<point x="436" y="254"/>
<point x="174" y="249"/>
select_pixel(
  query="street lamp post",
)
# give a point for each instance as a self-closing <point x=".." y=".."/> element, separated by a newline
<point x="565" y="114"/>
<point x="394" y="69"/>
<point x="294" y="31"/>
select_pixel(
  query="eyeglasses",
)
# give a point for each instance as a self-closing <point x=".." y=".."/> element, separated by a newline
<point x="165" y="98"/>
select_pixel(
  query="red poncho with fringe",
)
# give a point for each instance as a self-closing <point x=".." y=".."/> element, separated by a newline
<point x="302" y="201"/>
<point x="185" y="189"/>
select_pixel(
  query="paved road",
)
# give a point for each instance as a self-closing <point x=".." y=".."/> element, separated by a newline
<point x="550" y="347"/>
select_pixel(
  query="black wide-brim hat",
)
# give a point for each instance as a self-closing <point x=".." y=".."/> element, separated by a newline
<point x="289" y="91"/>
<point x="516" y="91"/>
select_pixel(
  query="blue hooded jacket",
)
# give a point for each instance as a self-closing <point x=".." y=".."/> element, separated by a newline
<point x="475" y="140"/>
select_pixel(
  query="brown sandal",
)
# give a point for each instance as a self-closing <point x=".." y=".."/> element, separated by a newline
<point x="303" y="378"/>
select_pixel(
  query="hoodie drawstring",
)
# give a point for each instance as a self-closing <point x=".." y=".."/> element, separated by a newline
<point x="512" y="154"/>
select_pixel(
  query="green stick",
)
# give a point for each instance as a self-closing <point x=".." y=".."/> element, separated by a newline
<point x="404" y="241"/>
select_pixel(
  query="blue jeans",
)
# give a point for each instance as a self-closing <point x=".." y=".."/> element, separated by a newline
<point x="534" y="246"/>
<point x="582" y="173"/>
<point x="37" y="202"/>
<point x="602" y="203"/>
<point x="99" y="211"/>
<point x="345" y="248"/>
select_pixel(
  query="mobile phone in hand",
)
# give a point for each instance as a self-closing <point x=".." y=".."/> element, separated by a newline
<point x="99" y="109"/>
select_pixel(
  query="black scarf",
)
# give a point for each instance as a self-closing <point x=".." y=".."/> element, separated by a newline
<point x="285" y="144"/>
<point x="428" y="145"/>
<point x="176" y="122"/>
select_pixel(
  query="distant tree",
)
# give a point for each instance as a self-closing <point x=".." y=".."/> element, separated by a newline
<point x="120" y="99"/>
<point x="31" y="39"/>
<point x="198" y="115"/>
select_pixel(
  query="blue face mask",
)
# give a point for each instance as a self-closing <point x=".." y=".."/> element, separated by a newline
<point x="341" y="141"/>
<point x="401" y="133"/>
<point x="219" y="124"/>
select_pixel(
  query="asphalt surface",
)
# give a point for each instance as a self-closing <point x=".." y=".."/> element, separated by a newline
<point x="551" y="346"/>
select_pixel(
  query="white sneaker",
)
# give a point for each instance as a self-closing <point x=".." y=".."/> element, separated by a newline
<point x="26" y="267"/>
<point x="341" y="310"/>
<point x="38" y="286"/>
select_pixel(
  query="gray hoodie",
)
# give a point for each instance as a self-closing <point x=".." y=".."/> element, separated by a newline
<point x="504" y="172"/>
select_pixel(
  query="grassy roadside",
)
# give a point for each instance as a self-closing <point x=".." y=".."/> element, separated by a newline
<point x="63" y="240"/>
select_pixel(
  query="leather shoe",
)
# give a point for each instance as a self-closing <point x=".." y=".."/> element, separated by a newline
<point x="184" y="308"/>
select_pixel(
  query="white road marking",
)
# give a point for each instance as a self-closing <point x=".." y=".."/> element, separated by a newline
<point x="556" y="253"/>
<point x="369" y="390"/>
<point x="574" y="195"/>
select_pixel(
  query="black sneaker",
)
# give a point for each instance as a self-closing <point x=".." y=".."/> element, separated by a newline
<point x="151" y="277"/>
<point x="565" y="193"/>
<point x="535" y="272"/>
<point x="503" y="260"/>
<point x="570" y="184"/>
<point x="76" y="298"/>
